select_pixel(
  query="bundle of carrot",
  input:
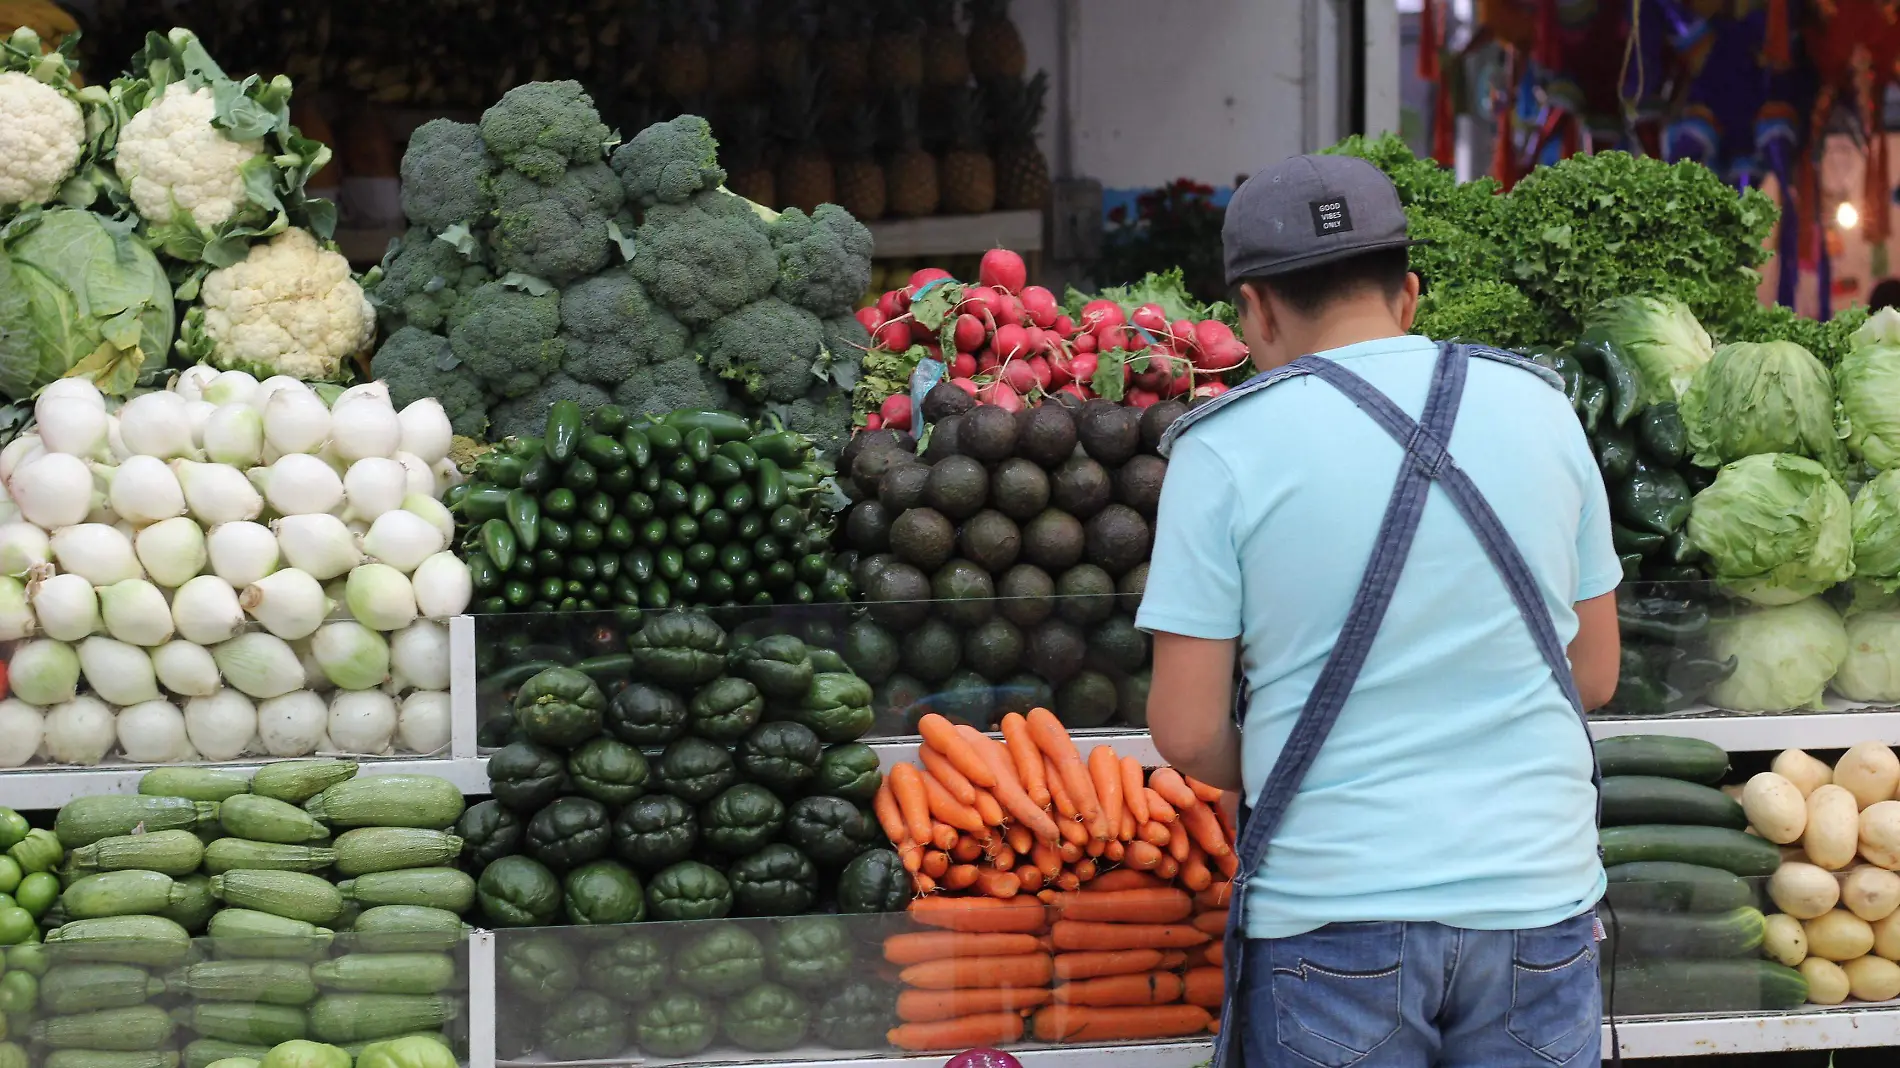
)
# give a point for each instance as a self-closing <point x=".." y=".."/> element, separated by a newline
<point x="1073" y="890"/>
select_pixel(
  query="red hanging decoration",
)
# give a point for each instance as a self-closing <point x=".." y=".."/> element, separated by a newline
<point x="1444" y="124"/>
<point x="1503" y="158"/>
<point x="1547" y="51"/>
<point x="1807" y="202"/>
<point x="1429" y="43"/>
<point x="1777" y="46"/>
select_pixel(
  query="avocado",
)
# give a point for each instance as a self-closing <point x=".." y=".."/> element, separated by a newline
<point x="1085" y="595"/>
<point x="1054" y="540"/>
<point x="1080" y="487"/>
<point x="868" y="565"/>
<point x="1055" y="650"/>
<point x="902" y="487"/>
<point x="896" y="701"/>
<point x="1019" y="489"/>
<point x="1045" y="434"/>
<point x="931" y="651"/>
<point x="1132" y="699"/>
<point x="868" y="527"/>
<point x="1109" y="432"/>
<point x="865" y="440"/>
<point x="868" y="469"/>
<point x="1137" y="484"/>
<point x="945" y="399"/>
<point x="958" y="487"/>
<point x="1116" y="646"/>
<point x="964" y="697"/>
<point x="1020" y="693"/>
<point x="944" y="435"/>
<point x="922" y="536"/>
<point x="1118" y="539"/>
<point x="1027" y="594"/>
<point x="1087" y="700"/>
<point x="988" y="434"/>
<point x="1130" y="587"/>
<point x="992" y="540"/>
<point x="963" y="593"/>
<point x="870" y="650"/>
<point x="899" y="596"/>
<point x="1156" y="420"/>
<point x="993" y="649"/>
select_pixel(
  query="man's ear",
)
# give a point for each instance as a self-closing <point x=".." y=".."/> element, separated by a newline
<point x="1254" y="312"/>
<point x="1408" y="301"/>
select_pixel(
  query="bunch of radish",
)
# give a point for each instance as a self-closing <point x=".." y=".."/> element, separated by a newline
<point x="1012" y="344"/>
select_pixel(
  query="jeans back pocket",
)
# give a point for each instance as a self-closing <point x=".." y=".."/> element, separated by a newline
<point x="1336" y="991"/>
<point x="1556" y="1004"/>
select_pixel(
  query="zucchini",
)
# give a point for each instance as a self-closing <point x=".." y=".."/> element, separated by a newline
<point x="99" y="1058"/>
<point x="266" y="819"/>
<point x="135" y="1029"/>
<point x="235" y="1021"/>
<point x="362" y="1017"/>
<point x="193" y="784"/>
<point x="1671" y="886"/>
<point x="153" y="941"/>
<point x="192" y="903"/>
<point x="387" y="973"/>
<point x="293" y="895"/>
<point x="406" y="928"/>
<point x="230" y="854"/>
<point x="1645" y="934"/>
<point x="117" y="893"/>
<point x="172" y="853"/>
<point x="443" y="888"/>
<point x="1713" y="847"/>
<point x="389" y="801"/>
<point x="85" y="820"/>
<point x="1635" y="799"/>
<point x="272" y="982"/>
<point x="208" y="1051"/>
<point x="297" y="781"/>
<point x="1677" y="986"/>
<point x="245" y="933"/>
<point x="373" y="849"/>
<point x="75" y="988"/>
<point x="1689" y="759"/>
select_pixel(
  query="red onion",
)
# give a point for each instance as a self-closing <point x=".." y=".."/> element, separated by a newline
<point x="983" y="1058"/>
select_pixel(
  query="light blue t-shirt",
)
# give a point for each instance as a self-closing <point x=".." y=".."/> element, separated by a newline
<point x="1455" y="786"/>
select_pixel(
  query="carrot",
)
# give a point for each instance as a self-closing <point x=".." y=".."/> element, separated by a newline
<point x="1229" y="865"/>
<point x="912" y="854"/>
<point x="1096" y="847"/>
<point x="1046" y="860"/>
<point x="1172" y="960"/>
<point x="1125" y="879"/>
<point x="922" y="884"/>
<point x="980" y="915"/>
<point x="1167" y="869"/>
<point x="966" y="850"/>
<point x="1142" y="856"/>
<point x="1105" y="774"/>
<point x="921" y="946"/>
<point x="1077" y="1023"/>
<point x="907" y="785"/>
<point x="936" y="862"/>
<point x="1194" y="873"/>
<point x="1180" y="847"/>
<point x="1001" y="884"/>
<point x="1127" y="906"/>
<point x="1214" y="923"/>
<point x="930" y="1006"/>
<point x="1058" y="792"/>
<point x="1020" y="839"/>
<point x="956" y="782"/>
<point x="1086" y="870"/>
<point x="1173" y="789"/>
<point x="960" y="877"/>
<point x="1114" y="852"/>
<point x="1028" y="759"/>
<point x="1070" y="852"/>
<point x="952" y="973"/>
<point x="988" y="810"/>
<point x="1075" y="934"/>
<point x="1030" y="877"/>
<point x="1010" y="792"/>
<point x="1147" y="988"/>
<point x="942" y="735"/>
<point x="889" y="817"/>
<point x="1200" y="822"/>
<point x="1130" y="825"/>
<point x="1054" y="741"/>
<point x="1047" y="894"/>
<point x="1093" y="964"/>
<point x="1218" y="896"/>
<point x="1206" y="987"/>
<point x="1072" y="833"/>
<point x="1156" y="834"/>
<point x="1217" y="954"/>
<point x="946" y="808"/>
<point x="1209" y="795"/>
<point x="944" y="836"/>
<point x="1004" y="859"/>
<point x="1068" y="880"/>
<point x="1159" y="808"/>
<point x="963" y="1032"/>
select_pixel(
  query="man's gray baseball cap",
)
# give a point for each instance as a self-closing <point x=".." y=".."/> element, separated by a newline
<point x="1310" y="210"/>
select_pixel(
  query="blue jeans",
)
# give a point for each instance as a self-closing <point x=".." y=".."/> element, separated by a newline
<point x="1409" y="995"/>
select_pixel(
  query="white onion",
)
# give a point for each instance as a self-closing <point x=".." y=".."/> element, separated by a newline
<point x="364" y="426"/>
<point x="101" y="553"/>
<point x="373" y="486"/>
<point x="362" y="721"/>
<point x="380" y="597"/>
<point x="158" y="424"/>
<point x="221" y="726"/>
<point x="153" y="732"/>
<point x="217" y="493"/>
<point x="271" y="386"/>
<point x="44" y="673"/>
<point x="231" y="387"/>
<point x="144" y="490"/>
<point x="353" y="656"/>
<point x="80" y="731"/>
<point x="434" y="511"/>
<point x="52" y="489"/>
<point x="74" y="426"/>
<point x="234" y="434"/>
<point x="198" y="412"/>
<point x="9" y="512"/>
<point x="115" y="442"/>
<point x="241" y="553"/>
<point x="23" y="547"/>
<point x="403" y="540"/>
<point x="67" y="388"/>
<point x="292" y="725"/>
<point x="65" y="605"/>
<point x="16" y="616"/>
<point x="118" y="672"/>
<point x="259" y="665"/>
<point x="295" y="421"/>
<point x="298" y="484"/>
<point x="191" y="382"/>
<point x="422" y="723"/>
<point x="289" y="603"/>
<point x="186" y="669"/>
<point x="426" y="432"/>
<point x="22" y="728"/>
<point x="421" y="475"/>
<point x="338" y="591"/>
<point x="419" y="656"/>
<point x="16" y="452"/>
<point x="443" y="586"/>
<point x="375" y="389"/>
<point x="206" y="611"/>
<point x="172" y="551"/>
<point x="314" y="679"/>
<point x="319" y="544"/>
<point x="135" y="612"/>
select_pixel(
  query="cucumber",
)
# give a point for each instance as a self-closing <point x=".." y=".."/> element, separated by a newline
<point x="373" y="849"/>
<point x="149" y="940"/>
<point x="117" y="893"/>
<point x="406" y="928"/>
<point x="192" y="903"/>
<point x="1671" y="886"/>
<point x="135" y="1029"/>
<point x="273" y="982"/>
<point x="85" y="820"/>
<point x="1635" y="799"/>
<point x="1713" y="847"/>
<point x="1645" y="934"/>
<point x="363" y="1017"/>
<point x="193" y="784"/>
<point x="297" y="781"/>
<point x="387" y="973"/>
<point x="208" y="1051"/>
<point x="235" y="1021"/>
<point x="442" y="888"/>
<point x="1669" y="987"/>
<point x="231" y="854"/>
<point x="247" y="933"/>
<point x="98" y="1058"/>
<point x="1689" y="759"/>
<point x="293" y="895"/>
<point x="74" y="988"/>
<point x="172" y="853"/>
<point x="264" y="819"/>
<point x="389" y="801"/>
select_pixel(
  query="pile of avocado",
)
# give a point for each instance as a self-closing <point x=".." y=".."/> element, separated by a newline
<point x="1003" y="558"/>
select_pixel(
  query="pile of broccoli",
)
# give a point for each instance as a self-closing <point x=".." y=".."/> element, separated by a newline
<point x="542" y="263"/>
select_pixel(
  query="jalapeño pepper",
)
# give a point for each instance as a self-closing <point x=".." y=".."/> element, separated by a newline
<point x="656" y="594"/>
<point x="703" y="497"/>
<point x="779" y="574"/>
<point x="483" y="575"/>
<point x="609" y="419"/>
<point x="722" y="471"/>
<point x="649" y="479"/>
<point x="587" y="537"/>
<point x="771" y="485"/>
<point x="484" y="502"/>
<point x="637" y="565"/>
<point x="787" y="521"/>
<point x="717" y="587"/>
<point x="619" y="533"/>
<point x="501" y="468"/>
<point x="749" y="526"/>
<point x="666" y="440"/>
<point x="653" y="533"/>
<point x="686" y="587"/>
<point x="669" y="563"/>
<point x="563" y="431"/>
<point x="626" y="591"/>
<point x="539" y="474"/>
<point x="580" y="476"/>
<point x="555" y="534"/>
<point x="699" y="444"/>
<point x="742" y="454"/>
<point x="499" y="543"/>
<point x="524" y="518"/>
<point x="616" y="481"/>
<point x="681" y="469"/>
<point x="608" y="564"/>
<point x="781" y="447"/>
<point x="637" y="505"/>
<point x="685" y="530"/>
<point x="738" y="498"/>
<point x="559" y="503"/>
<point x="716" y="525"/>
<point x="602" y="451"/>
<point x="719" y="426"/>
<point x="598" y="508"/>
<point x="549" y="561"/>
<point x="701" y="556"/>
<point x="671" y="498"/>
<point x="735" y="559"/>
<point x="639" y="451"/>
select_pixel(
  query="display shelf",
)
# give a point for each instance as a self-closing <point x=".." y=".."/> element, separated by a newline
<point x="1844" y="1027"/>
<point x="1129" y="1055"/>
<point x="956" y="235"/>
<point x="1752" y="734"/>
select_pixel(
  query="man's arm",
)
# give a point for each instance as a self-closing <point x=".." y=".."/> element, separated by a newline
<point x="1191" y="707"/>
<point x="1596" y="653"/>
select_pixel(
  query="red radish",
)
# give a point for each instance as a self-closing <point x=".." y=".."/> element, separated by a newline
<point x="970" y="333"/>
<point x="1064" y="327"/>
<point x="1003" y="395"/>
<point x="895" y="411"/>
<point x="1142" y="398"/>
<point x="1210" y="389"/>
<point x="1078" y="391"/>
<point x="893" y="336"/>
<point x="870" y="317"/>
<point x="1034" y="340"/>
<point x="1020" y="376"/>
<point x="919" y="333"/>
<point x="1212" y="333"/>
<point x="986" y="362"/>
<point x="873" y="422"/>
<point x="963" y="366"/>
<point x="1061" y="370"/>
<point x="1003" y="269"/>
<point x="1098" y="313"/>
<point x="1045" y="375"/>
<point x="983" y="1057"/>
<point x="1084" y="342"/>
<point x="1152" y="318"/>
<point x="925" y="276"/>
<point x="1082" y="367"/>
<point x="1011" y="341"/>
<point x="965" y="384"/>
<point x="1178" y="385"/>
<point x="892" y="304"/>
<point x="1041" y="306"/>
<point x="1183" y="331"/>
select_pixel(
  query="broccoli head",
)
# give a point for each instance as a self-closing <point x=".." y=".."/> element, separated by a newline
<point x="666" y="387"/>
<point x="824" y="416"/>
<point x="507" y="337"/>
<point x="415" y="364"/>
<point x="768" y="347"/>
<point x="706" y="257"/>
<point x="422" y="280"/>
<point x="443" y="172"/>
<point x="670" y="161"/>
<point x="541" y="127"/>
<point x="847" y="340"/>
<point x="613" y="329"/>
<point x="527" y="416"/>
<point x="555" y="231"/>
<point x="824" y="259"/>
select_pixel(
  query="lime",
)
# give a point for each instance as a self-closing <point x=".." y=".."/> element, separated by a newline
<point x="16" y="926"/>
<point x="13" y="828"/>
<point x="29" y="958"/>
<point x="10" y="875"/>
<point x="36" y="893"/>
<point x="18" y="992"/>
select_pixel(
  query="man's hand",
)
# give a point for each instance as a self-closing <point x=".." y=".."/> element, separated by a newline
<point x="1191" y="708"/>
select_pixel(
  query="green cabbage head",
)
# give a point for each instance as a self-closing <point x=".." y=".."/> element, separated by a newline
<point x="1784" y="656"/>
<point x="1869" y="383"/>
<point x="414" y="1051"/>
<point x="1877" y="531"/>
<point x="1658" y="334"/>
<point x="1775" y="528"/>
<point x="1771" y="397"/>
<point x="1871" y="671"/>
<point x="299" y="1053"/>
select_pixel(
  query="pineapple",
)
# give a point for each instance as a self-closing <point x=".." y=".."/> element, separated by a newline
<point x="1022" y="171"/>
<point x="844" y="50"/>
<point x="682" y="68"/>
<point x="860" y="176"/>
<point x="946" y="52"/>
<point x="805" y="178"/>
<point x="897" y="52"/>
<point x="966" y="174"/>
<point x="910" y="176"/>
<point x="782" y="52"/>
<point x="996" y="47"/>
<point x="735" y="58"/>
<point x="743" y="147"/>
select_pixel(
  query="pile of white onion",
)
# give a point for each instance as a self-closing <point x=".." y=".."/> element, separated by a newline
<point x="224" y="569"/>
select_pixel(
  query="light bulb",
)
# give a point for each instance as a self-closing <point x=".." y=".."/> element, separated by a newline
<point x="1847" y="216"/>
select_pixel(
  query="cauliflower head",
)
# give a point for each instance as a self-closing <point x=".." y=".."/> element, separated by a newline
<point x="289" y="307"/>
<point x="41" y="135"/>
<point x="172" y="159"/>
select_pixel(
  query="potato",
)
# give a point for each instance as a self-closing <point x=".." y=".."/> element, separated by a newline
<point x="1887" y="937"/>
<point x="1832" y="835"/>
<point x="1839" y="936"/>
<point x="1804" y="891"/>
<point x="1806" y="772"/>
<point x="1869" y="771"/>
<point x="1873" y="978"/>
<point x="1775" y="807"/>
<point x="1827" y="983"/>
<point x="1785" y="940"/>
<point x="1871" y="893"/>
<point x="1880" y="834"/>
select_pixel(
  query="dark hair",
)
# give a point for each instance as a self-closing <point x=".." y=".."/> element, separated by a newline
<point x="1886" y="294"/>
<point x="1310" y="290"/>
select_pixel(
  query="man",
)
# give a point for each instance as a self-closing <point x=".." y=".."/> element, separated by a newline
<point x="1427" y="896"/>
